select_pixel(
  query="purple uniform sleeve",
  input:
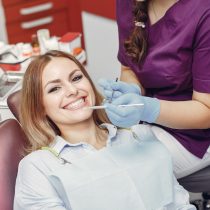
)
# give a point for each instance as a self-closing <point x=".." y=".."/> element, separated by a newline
<point x="201" y="57"/>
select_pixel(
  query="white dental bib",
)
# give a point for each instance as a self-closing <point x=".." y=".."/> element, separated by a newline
<point x="133" y="175"/>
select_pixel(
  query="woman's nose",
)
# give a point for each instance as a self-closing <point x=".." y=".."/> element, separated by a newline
<point x="70" y="90"/>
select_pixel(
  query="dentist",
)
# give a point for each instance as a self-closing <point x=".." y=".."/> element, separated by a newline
<point x="164" y="48"/>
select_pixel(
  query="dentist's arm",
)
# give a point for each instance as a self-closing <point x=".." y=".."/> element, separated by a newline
<point x="192" y="114"/>
<point x="128" y="76"/>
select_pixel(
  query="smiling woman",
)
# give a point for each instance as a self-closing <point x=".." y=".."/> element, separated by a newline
<point x="61" y="88"/>
<point x="78" y="160"/>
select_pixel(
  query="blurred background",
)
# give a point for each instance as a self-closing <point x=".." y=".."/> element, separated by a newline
<point x="94" y="19"/>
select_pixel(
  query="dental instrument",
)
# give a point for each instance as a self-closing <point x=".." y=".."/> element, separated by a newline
<point x="110" y="100"/>
<point x="121" y="105"/>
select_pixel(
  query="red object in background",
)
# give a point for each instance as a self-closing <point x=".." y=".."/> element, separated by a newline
<point x="58" y="27"/>
<point x="24" y="18"/>
<point x="65" y="14"/>
<point x="68" y="37"/>
<point x="10" y="67"/>
<point x="105" y="8"/>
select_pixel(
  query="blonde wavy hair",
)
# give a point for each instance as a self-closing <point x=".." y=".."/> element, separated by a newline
<point x="39" y="129"/>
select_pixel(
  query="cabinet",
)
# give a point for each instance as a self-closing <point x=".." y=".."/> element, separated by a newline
<point x="24" y="18"/>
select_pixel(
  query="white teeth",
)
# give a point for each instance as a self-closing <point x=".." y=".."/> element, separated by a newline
<point x="75" y="104"/>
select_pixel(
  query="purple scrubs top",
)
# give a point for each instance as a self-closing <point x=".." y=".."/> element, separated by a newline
<point x="178" y="59"/>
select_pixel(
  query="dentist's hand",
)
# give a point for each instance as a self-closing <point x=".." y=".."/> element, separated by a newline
<point x="119" y="88"/>
<point x="128" y="116"/>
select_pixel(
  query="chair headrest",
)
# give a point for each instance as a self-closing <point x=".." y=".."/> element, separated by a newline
<point x="13" y="102"/>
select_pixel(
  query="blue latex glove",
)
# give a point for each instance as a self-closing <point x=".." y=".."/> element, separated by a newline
<point x="128" y="116"/>
<point x="117" y="88"/>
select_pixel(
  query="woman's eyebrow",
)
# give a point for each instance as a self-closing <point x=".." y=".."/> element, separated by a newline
<point x="72" y="73"/>
<point x="58" y="80"/>
<point x="52" y="81"/>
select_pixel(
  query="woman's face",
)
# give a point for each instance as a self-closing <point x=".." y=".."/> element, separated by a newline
<point x="66" y="92"/>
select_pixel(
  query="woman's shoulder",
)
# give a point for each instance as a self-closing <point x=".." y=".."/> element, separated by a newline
<point x="33" y="156"/>
<point x="184" y="10"/>
<point x="203" y="3"/>
<point x="202" y="6"/>
<point x="198" y="6"/>
<point x="39" y="159"/>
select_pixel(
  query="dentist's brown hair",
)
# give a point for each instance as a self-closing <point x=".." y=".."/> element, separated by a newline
<point x="39" y="129"/>
<point x="136" y="45"/>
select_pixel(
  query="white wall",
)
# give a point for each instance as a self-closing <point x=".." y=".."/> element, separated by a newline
<point x="101" y="42"/>
<point x="3" y="34"/>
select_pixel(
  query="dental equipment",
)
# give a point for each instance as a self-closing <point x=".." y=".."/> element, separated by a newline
<point x="121" y="105"/>
<point x="110" y="101"/>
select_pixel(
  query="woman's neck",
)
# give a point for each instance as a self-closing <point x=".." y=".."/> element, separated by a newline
<point x="86" y="132"/>
<point x="158" y="8"/>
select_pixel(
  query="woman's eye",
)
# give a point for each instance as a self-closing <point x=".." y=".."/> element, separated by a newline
<point x="53" y="89"/>
<point x="77" y="78"/>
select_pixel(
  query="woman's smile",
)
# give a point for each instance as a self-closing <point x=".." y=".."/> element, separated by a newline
<point x="77" y="104"/>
